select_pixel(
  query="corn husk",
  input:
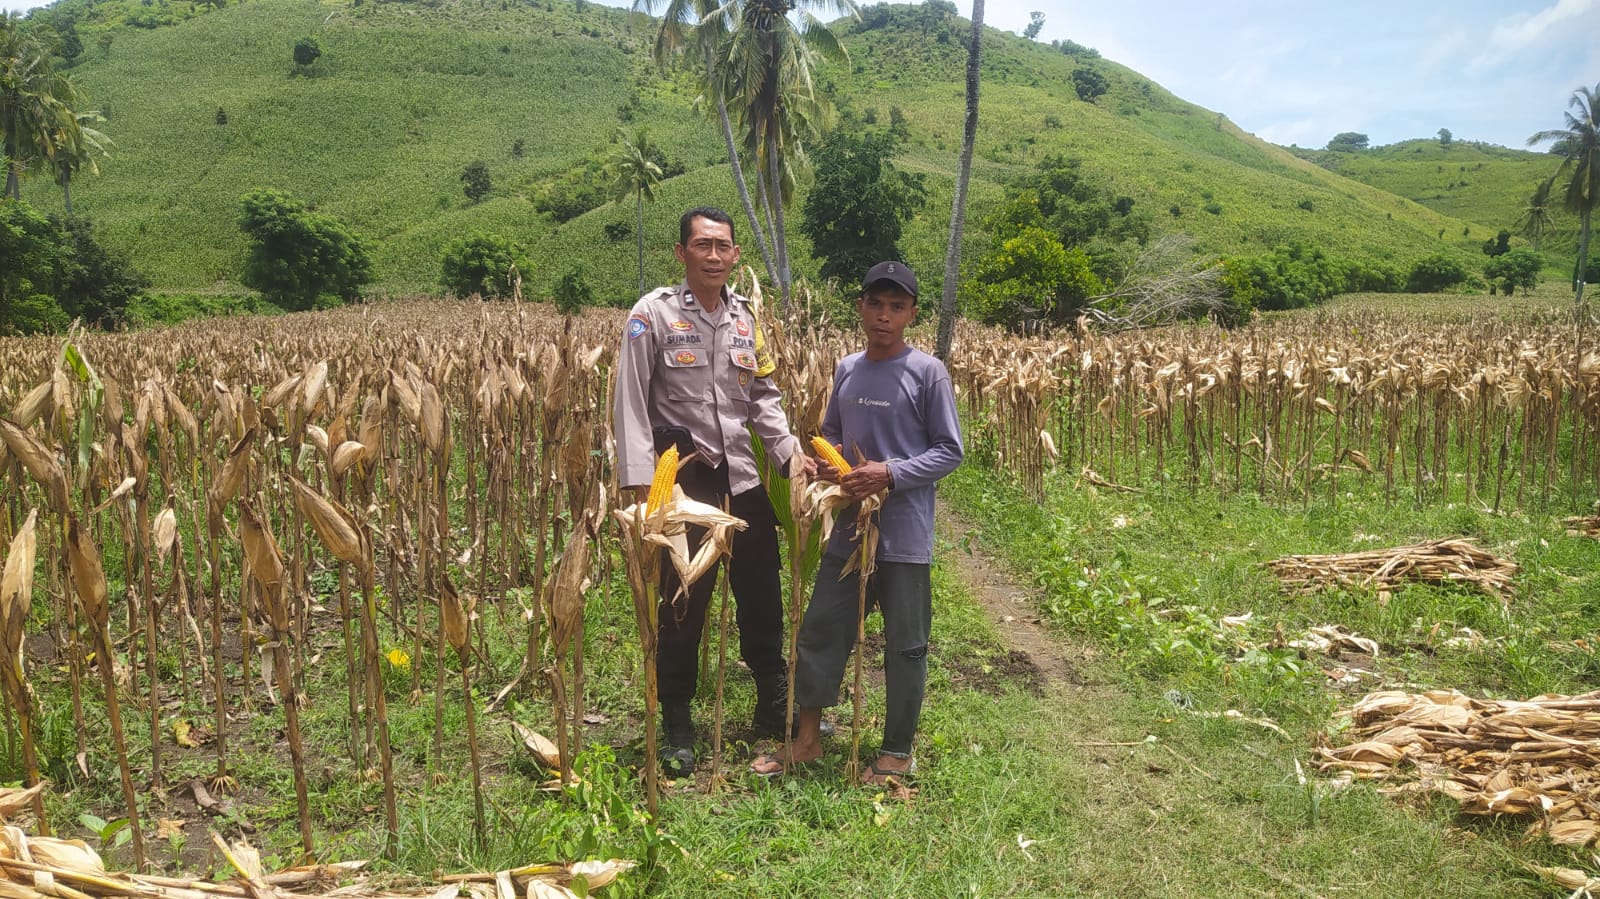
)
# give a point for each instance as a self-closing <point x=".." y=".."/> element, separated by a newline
<point x="165" y="531"/>
<point x="333" y="525"/>
<point x="1533" y="759"/>
<point x="16" y="588"/>
<point x="541" y="746"/>
<point x="455" y="614"/>
<point x="39" y="461"/>
<point x="87" y="572"/>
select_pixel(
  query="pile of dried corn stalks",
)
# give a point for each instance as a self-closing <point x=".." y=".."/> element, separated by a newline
<point x="37" y="867"/>
<point x="1538" y="758"/>
<point x="1583" y="526"/>
<point x="1432" y="561"/>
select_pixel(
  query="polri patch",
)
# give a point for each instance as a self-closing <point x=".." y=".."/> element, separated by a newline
<point x="636" y="327"/>
<point x="743" y="327"/>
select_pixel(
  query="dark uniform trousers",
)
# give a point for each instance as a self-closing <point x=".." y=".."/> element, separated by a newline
<point x="753" y="576"/>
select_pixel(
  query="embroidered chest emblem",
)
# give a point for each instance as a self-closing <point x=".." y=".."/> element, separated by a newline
<point x="744" y="360"/>
<point x="743" y="327"/>
<point x="686" y="357"/>
<point x="680" y="325"/>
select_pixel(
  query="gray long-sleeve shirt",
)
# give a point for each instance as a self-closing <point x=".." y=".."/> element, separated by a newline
<point x="681" y="366"/>
<point x="901" y="411"/>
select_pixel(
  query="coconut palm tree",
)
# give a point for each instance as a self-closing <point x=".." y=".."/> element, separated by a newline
<point x="690" y="27"/>
<point x="1537" y="215"/>
<point x="759" y="57"/>
<point x="766" y="71"/>
<point x="27" y="102"/>
<point x="958" y="208"/>
<point x="637" y="176"/>
<point x="1579" y="146"/>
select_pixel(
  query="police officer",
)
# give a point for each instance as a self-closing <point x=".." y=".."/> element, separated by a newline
<point x="688" y="374"/>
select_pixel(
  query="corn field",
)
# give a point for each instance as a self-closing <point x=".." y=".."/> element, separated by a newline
<point x="176" y="493"/>
<point x="1492" y="412"/>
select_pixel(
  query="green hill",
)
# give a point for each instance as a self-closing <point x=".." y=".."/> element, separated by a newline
<point x="1475" y="182"/>
<point x="407" y="93"/>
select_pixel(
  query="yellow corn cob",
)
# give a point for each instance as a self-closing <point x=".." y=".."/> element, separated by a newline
<point x="661" y="486"/>
<point x="828" y="454"/>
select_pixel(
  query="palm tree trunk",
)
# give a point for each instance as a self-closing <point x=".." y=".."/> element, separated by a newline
<point x="66" y="191"/>
<point x="1583" y="251"/>
<point x="744" y="194"/>
<point x="958" y="207"/>
<point x="738" y="177"/>
<point x="780" y="242"/>
<point x="639" y="230"/>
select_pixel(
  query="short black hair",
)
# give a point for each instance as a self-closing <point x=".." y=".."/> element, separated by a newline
<point x="711" y="213"/>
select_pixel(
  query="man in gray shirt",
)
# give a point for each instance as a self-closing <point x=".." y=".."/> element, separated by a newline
<point x="894" y="404"/>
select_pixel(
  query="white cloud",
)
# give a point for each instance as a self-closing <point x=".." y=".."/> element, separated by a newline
<point x="1566" y="20"/>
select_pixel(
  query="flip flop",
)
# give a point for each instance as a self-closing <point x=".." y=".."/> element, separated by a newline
<point x="887" y="773"/>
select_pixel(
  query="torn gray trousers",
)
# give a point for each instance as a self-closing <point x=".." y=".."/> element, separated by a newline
<point x="903" y="592"/>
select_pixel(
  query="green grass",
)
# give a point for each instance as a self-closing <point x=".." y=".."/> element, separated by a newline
<point x="405" y="95"/>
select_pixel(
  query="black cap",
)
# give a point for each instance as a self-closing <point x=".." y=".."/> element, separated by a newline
<point x="897" y="273"/>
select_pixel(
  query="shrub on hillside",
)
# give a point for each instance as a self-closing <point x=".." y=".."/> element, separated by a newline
<point x="475" y="180"/>
<point x="1437" y="272"/>
<point x="306" y="51"/>
<point x="1375" y="277"/>
<point x="1290" y="277"/>
<point x="855" y="212"/>
<point x="488" y="265"/>
<point x="1513" y="269"/>
<point x="1031" y="278"/>
<point x="55" y="271"/>
<point x="298" y="256"/>
<point x="573" y="291"/>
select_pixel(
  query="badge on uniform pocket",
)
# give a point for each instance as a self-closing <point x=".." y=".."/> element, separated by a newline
<point x="744" y="359"/>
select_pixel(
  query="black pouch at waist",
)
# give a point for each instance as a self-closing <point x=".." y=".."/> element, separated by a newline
<point x="673" y="435"/>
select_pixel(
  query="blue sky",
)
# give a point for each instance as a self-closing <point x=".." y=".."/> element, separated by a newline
<point x="1300" y="72"/>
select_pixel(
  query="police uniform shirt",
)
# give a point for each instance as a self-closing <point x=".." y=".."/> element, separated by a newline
<point x="682" y="366"/>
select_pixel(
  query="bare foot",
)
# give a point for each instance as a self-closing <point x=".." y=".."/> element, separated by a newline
<point x="886" y="768"/>
<point x="773" y="763"/>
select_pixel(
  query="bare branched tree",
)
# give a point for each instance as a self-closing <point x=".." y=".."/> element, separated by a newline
<point x="1167" y="281"/>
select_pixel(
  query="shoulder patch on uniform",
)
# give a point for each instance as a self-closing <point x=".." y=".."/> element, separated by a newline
<point x="637" y="326"/>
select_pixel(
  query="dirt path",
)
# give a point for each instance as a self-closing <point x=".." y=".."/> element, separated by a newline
<point x="1010" y="606"/>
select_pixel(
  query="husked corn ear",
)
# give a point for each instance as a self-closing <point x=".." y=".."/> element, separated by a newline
<point x="661" y="486"/>
<point x="830" y="455"/>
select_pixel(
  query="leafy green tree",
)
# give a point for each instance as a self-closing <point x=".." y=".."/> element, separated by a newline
<point x="489" y="265"/>
<point x="93" y="283"/>
<point x="574" y="292"/>
<point x="1348" y="142"/>
<point x="1292" y="276"/>
<point x="1579" y="145"/>
<point x="636" y="176"/>
<point x="1445" y="138"/>
<point x="1031" y="277"/>
<point x="948" y="310"/>
<point x="306" y="51"/>
<point x="75" y="149"/>
<point x="31" y="247"/>
<point x="297" y="256"/>
<point x="1498" y="245"/>
<point x="1513" y="269"/>
<point x="475" y="180"/>
<point x="1435" y="273"/>
<point x="1089" y="83"/>
<point x="859" y="203"/>
<point x="1035" y="25"/>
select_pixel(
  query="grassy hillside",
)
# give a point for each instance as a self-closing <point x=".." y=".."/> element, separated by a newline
<point x="406" y="94"/>
<point x="1475" y="182"/>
